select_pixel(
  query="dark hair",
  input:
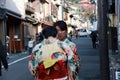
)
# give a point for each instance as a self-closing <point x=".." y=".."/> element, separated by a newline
<point x="61" y="24"/>
<point x="49" y="31"/>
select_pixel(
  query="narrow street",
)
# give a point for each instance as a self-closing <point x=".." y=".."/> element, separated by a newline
<point x="89" y="69"/>
<point x="22" y="22"/>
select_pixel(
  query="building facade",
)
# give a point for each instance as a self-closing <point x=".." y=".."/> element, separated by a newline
<point x="14" y="24"/>
<point x="23" y="19"/>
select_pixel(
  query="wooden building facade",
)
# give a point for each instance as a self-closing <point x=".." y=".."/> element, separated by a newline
<point x="14" y="31"/>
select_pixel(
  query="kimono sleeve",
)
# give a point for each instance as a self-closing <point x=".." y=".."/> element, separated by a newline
<point x="70" y="56"/>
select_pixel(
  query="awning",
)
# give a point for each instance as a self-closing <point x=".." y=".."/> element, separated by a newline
<point x="15" y="15"/>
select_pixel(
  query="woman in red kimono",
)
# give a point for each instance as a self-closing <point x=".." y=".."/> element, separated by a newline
<point x="52" y="59"/>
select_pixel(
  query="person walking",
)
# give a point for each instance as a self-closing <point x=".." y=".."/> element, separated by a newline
<point x="52" y="59"/>
<point x="7" y="45"/>
<point x="30" y="45"/>
<point x="61" y="27"/>
<point x="3" y="57"/>
<point x="93" y="36"/>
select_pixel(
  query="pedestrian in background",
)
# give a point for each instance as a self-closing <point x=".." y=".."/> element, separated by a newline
<point x="40" y="37"/>
<point x="30" y="45"/>
<point x="70" y="35"/>
<point x="93" y="36"/>
<point x="7" y="45"/>
<point x="3" y="57"/>
<point x="37" y="38"/>
<point x="61" y="27"/>
<point x="53" y="60"/>
<point x="76" y="34"/>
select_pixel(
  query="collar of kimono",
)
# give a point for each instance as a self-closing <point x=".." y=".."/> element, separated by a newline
<point x="50" y="40"/>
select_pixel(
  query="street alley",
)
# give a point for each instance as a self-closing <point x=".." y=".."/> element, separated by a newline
<point x="89" y="69"/>
<point x="90" y="65"/>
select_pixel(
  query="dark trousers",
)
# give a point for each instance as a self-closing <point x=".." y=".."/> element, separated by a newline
<point x="94" y="44"/>
<point x="3" y="60"/>
<point x="30" y="50"/>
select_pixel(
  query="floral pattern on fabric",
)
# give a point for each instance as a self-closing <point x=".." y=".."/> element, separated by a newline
<point x="47" y="53"/>
<point x="74" y="49"/>
<point x="75" y="58"/>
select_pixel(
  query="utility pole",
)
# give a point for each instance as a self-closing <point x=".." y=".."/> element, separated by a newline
<point x="103" y="38"/>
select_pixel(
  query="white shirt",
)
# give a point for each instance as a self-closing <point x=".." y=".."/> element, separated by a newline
<point x="30" y="43"/>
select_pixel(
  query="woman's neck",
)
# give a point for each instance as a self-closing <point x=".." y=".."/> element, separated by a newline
<point x="51" y="38"/>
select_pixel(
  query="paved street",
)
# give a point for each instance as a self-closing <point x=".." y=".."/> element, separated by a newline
<point x="89" y="70"/>
<point x="90" y="66"/>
